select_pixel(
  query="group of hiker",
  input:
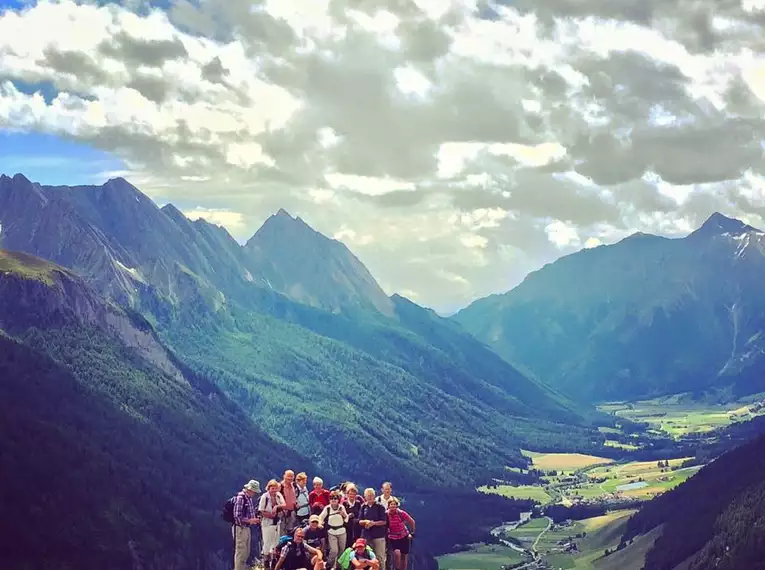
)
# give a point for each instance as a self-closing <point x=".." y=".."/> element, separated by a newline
<point x="289" y="527"/>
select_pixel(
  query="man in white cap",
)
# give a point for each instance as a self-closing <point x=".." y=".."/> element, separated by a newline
<point x="245" y="517"/>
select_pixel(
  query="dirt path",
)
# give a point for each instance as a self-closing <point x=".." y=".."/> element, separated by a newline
<point x="541" y="534"/>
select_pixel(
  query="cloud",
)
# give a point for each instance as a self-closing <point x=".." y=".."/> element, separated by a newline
<point x="231" y="220"/>
<point x="454" y="145"/>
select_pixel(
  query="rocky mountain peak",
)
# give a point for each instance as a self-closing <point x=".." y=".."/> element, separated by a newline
<point x="719" y="224"/>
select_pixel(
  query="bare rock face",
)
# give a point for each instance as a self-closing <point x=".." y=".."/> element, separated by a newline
<point x="147" y="257"/>
<point x="40" y="294"/>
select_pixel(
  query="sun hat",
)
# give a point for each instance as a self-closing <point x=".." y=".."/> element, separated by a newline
<point x="314" y="518"/>
<point x="253" y="486"/>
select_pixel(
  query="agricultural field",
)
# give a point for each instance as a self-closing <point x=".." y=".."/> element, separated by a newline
<point x="591" y="537"/>
<point x="527" y="533"/>
<point x="596" y="534"/>
<point x="637" y="480"/>
<point x="601" y="480"/>
<point x="677" y="418"/>
<point x="480" y="557"/>
<point x="566" y="462"/>
<point x="532" y="492"/>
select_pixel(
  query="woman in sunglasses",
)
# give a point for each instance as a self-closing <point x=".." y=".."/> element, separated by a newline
<point x="335" y="517"/>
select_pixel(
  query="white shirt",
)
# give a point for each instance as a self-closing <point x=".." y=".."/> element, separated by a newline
<point x="265" y="505"/>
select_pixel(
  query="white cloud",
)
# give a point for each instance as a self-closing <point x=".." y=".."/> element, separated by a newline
<point x="562" y="234"/>
<point x="232" y="221"/>
<point x="472" y="140"/>
<point x="366" y="184"/>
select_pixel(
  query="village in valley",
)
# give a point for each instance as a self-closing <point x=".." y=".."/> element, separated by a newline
<point x="603" y="492"/>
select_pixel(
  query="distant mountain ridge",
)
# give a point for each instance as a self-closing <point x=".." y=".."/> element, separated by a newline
<point x="294" y="329"/>
<point x="134" y="249"/>
<point x="643" y="317"/>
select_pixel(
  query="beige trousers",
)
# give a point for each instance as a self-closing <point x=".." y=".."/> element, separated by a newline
<point x="242" y="538"/>
<point x="336" y="548"/>
<point x="379" y="546"/>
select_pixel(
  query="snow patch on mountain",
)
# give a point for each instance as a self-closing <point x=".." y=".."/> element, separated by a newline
<point x="133" y="272"/>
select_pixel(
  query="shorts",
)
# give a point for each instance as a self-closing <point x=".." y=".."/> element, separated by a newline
<point x="401" y="544"/>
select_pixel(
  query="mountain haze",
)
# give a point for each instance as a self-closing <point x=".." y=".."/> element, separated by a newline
<point x="294" y="329"/>
<point x="646" y="316"/>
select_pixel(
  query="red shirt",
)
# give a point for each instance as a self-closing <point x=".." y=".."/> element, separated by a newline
<point x="396" y="524"/>
<point x="322" y="497"/>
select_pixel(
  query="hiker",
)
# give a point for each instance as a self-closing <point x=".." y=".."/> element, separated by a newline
<point x="289" y="492"/>
<point x="244" y="518"/>
<point x="315" y="535"/>
<point x="383" y="499"/>
<point x="387" y="494"/>
<point x="335" y="516"/>
<point x="319" y="494"/>
<point x="352" y="504"/>
<point x="302" y="500"/>
<point x="297" y="555"/>
<point x="399" y="536"/>
<point x="360" y="557"/>
<point x="373" y="519"/>
<point x="270" y="506"/>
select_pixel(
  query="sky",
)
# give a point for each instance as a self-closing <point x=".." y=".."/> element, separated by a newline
<point x="454" y="146"/>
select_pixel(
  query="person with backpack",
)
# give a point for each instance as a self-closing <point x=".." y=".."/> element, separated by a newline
<point x="335" y="516"/>
<point x="399" y="536"/>
<point x="359" y="557"/>
<point x="302" y="499"/>
<point x="297" y="555"/>
<point x="373" y="520"/>
<point x="352" y="504"/>
<point x="270" y="506"/>
<point x="239" y="512"/>
<point x="287" y="489"/>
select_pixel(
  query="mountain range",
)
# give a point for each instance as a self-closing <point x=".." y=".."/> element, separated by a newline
<point x="644" y="317"/>
<point x="295" y="330"/>
<point x="150" y="363"/>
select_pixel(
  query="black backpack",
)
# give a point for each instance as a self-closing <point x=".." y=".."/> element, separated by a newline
<point x="228" y="510"/>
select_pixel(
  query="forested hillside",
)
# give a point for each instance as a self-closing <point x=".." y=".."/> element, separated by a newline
<point x="714" y="520"/>
<point x="119" y="460"/>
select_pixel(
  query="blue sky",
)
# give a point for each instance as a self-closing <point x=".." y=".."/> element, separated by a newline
<point x="48" y="159"/>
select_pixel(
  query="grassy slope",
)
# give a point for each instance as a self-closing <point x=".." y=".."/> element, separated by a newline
<point x="28" y="266"/>
<point x="480" y="557"/>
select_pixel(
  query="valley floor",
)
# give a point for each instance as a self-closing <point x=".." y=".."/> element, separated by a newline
<point x="579" y="545"/>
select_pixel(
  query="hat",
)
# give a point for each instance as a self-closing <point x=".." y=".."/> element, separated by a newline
<point x="360" y="543"/>
<point x="253" y="486"/>
<point x="314" y="518"/>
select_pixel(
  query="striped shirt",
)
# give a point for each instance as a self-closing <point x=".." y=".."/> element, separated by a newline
<point x="243" y="509"/>
<point x="396" y="525"/>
